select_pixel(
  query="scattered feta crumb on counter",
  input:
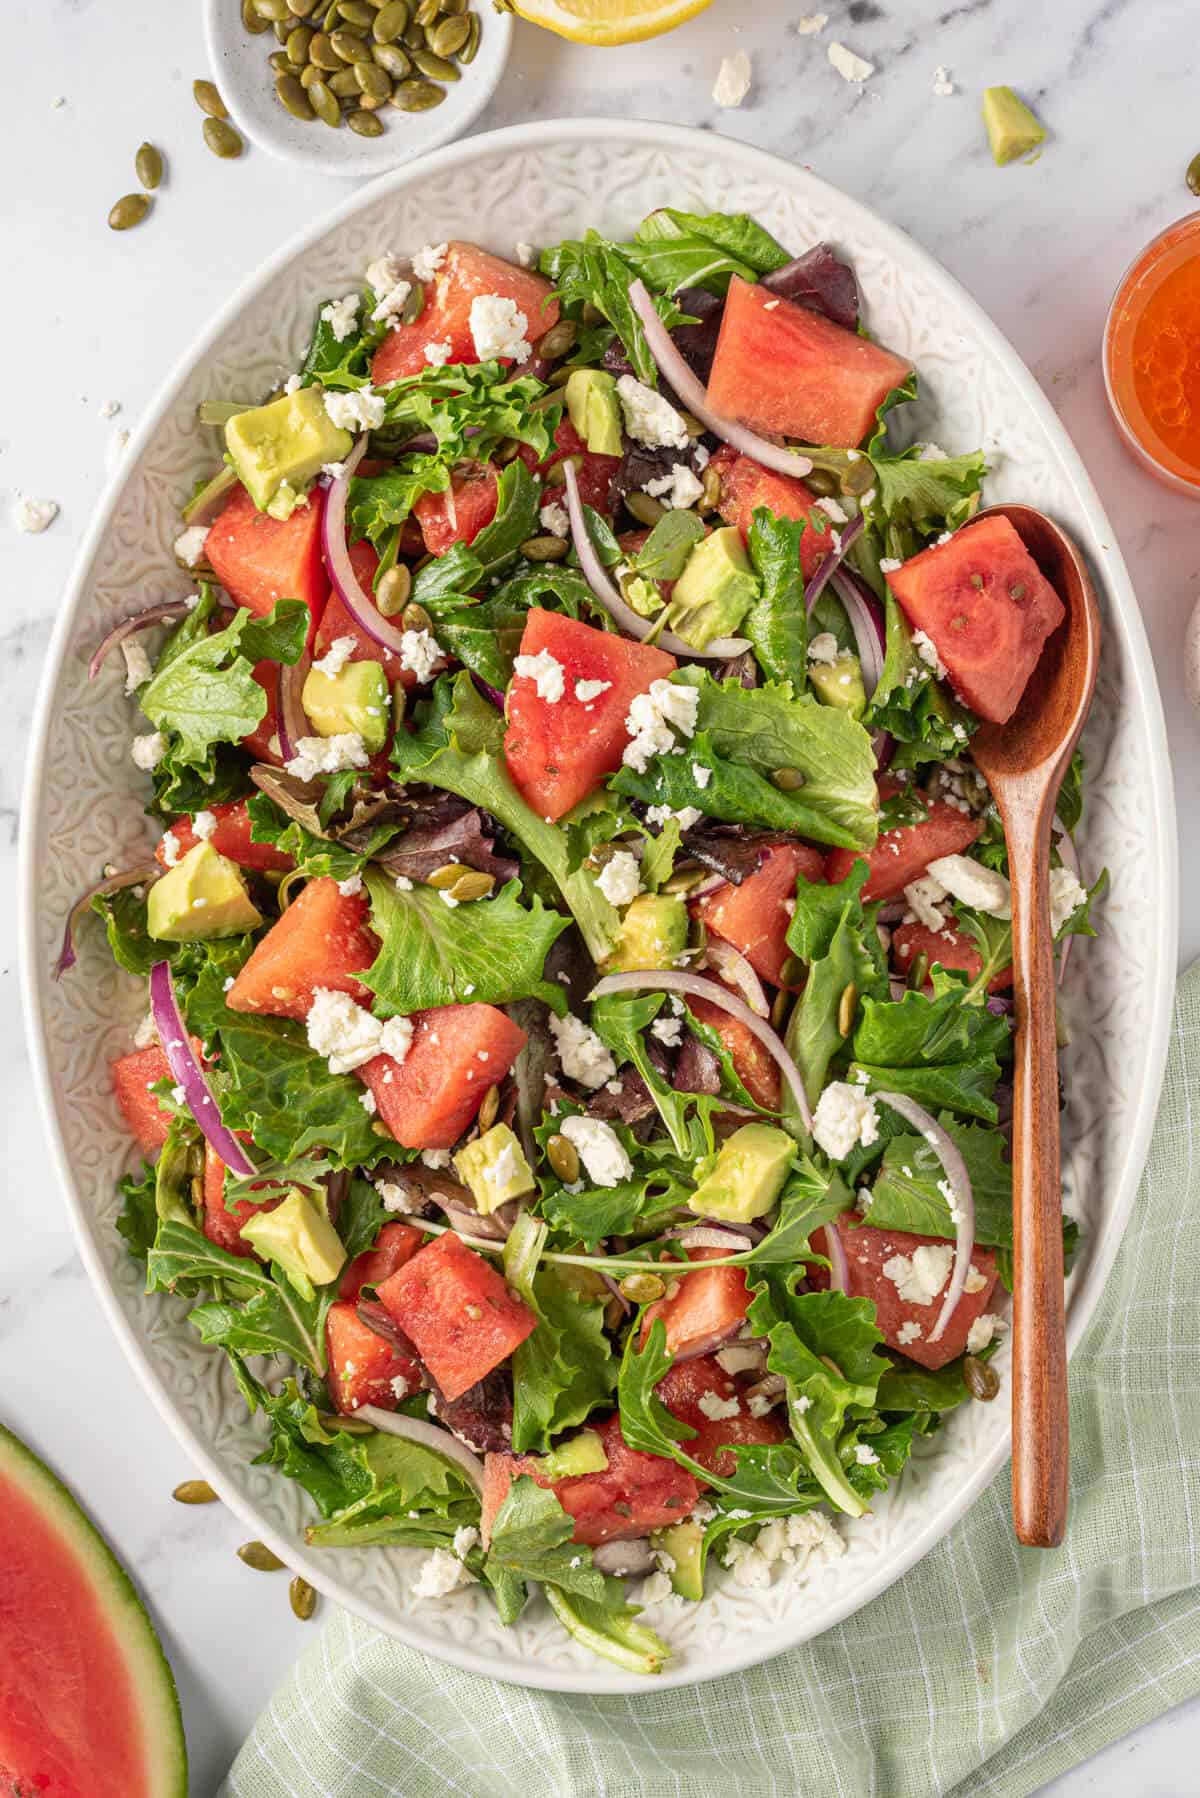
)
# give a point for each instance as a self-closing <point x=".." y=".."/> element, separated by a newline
<point x="599" y="1149"/>
<point x="33" y="516"/>
<point x="733" y="79"/>
<point x="849" y="66"/>
<point x="109" y="409"/>
<point x="943" y="87"/>
<point x="808" y="24"/>
<point x="845" y="1118"/>
<point x="620" y="879"/>
<point x="649" y="417"/>
<point x="583" y="1055"/>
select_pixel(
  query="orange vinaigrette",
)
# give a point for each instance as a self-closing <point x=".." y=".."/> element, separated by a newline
<point x="1152" y="356"/>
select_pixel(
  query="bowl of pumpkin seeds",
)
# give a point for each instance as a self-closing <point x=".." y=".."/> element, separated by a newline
<point x="354" y="87"/>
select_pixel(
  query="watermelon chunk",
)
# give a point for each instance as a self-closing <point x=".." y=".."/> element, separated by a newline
<point x="222" y="1226"/>
<point x="259" y="559"/>
<point x="459" y="514"/>
<point x="746" y="484"/>
<point x="466" y="273"/>
<point x="321" y="940"/>
<point x="458" y="1311"/>
<point x="263" y="741"/>
<point x="395" y="1245"/>
<point x="89" y="1707"/>
<point x="868" y="1250"/>
<point x="634" y="1494"/>
<point x="594" y="472"/>
<point x="705" y="1308"/>
<point x="786" y="371"/>
<point x="337" y="621"/>
<point x="753" y="1066"/>
<point x="902" y="854"/>
<point x="231" y="838"/>
<point x="457" y="1052"/>
<point x="988" y="609"/>
<point x="947" y="946"/>
<point x="754" y="916"/>
<point x="558" y="753"/>
<point x="681" y="1390"/>
<point x="132" y="1076"/>
<point x="363" y="1365"/>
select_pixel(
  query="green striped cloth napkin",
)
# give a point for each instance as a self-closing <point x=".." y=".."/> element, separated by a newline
<point x="987" y="1669"/>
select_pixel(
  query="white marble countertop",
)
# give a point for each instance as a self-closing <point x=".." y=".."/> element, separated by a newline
<point x="1042" y="248"/>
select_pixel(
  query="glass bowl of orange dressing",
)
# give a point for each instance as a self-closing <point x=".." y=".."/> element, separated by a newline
<point x="1152" y="356"/>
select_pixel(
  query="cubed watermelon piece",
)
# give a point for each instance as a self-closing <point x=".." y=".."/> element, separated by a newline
<point x="701" y="1310"/>
<point x="321" y="940"/>
<point x="594" y="472"/>
<point x="758" y="1073"/>
<point x="786" y="371"/>
<point x="337" y="621"/>
<point x="947" y="946"/>
<point x="395" y="1245"/>
<point x="987" y="608"/>
<point x="901" y="855"/>
<point x="460" y="513"/>
<point x="222" y="1226"/>
<point x="263" y="741"/>
<point x="746" y="484"/>
<point x="259" y="559"/>
<point x="132" y="1076"/>
<point x="558" y="753"/>
<point x="457" y="1052"/>
<point x="231" y="838"/>
<point x="682" y="1391"/>
<point x="634" y="1494"/>
<point x="364" y="1367"/>
<point x="456" y="1308"/>
<point x="754" y="916"/>
<point x="466" y="273"/>
<point x="868" y="1250"/>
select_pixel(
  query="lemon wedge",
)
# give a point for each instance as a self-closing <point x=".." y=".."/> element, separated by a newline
<point x="608" y="21"/>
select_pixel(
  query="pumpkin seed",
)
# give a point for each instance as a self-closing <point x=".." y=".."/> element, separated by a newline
<point x="644" y="508"/>
<point x="302" y="1598"/>
<point x="260" y="1557"/>
<point x="399" y="703"/>
<point x="918" y="971"/>
<point x="148" y="164"/>
<point x="472" y="885"/>
<point x="413" y="36"/>
<point x="391" y="595"/>
<point x="345" y="83"/>
<point x="710" y="483"/>
<point x="1193" y="175"/>
<point x="508" y="451"/>
<point x="330" y="18"/>
<point x="416" y="618"/>
<point x="452" y="9"/>
<point x="356" y="12"/>
<point x="858" y="478"/>
<point x="417" y="96"/>
<point x="373" y="80"/>
<point x="591" y="313"/>
<point x="438" y="68"/>
<point x="792" y="971"/>
<point x="982" y="1381"/>
<point x="448" y="38"/>
<point x="299" y="38"/>
<point x="414" y="304"/>
<point x="194" y="1492"/>
<point x="556" y="474"/>
<point x="563" y="1158"/>
<point x="788" y="780"/>
<point x="821" y="482"/>
<point x="205" y="94"/>
<point x="444" y="878"/>
<point x="489" y="1108"/>
<point x="349" y="46"/>
<point x="299" y="9"/>
<point x="427" y="11"/>
<point x="545" y="549"/>
<point x="324" y="103"/>
<point x="692" y="425"/>
<point x="281" y="62"/>
<point x="292" y="97"/>
<point x="222" y="139"/>
<point x="846" y="1009"/>
<point x="332" y="1421"/>
<point x="390" y="21"/>
<point x="250" y="19"/>
<point x="281" y="28"/>
<point x="642" y="1288"/>
<point x="129" y="211"/>
<point x="470" y="49"/>
<point x="780" y="1006"/>
<point x="311" y="72"/>
<point x="396" y="61"/>
<point x="558" y="339"/>
<point x="271" y="9"/>
<point x="322" y="52"/>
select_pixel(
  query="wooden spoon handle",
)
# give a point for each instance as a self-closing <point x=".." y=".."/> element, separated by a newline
<point x="1040" y="1431"/>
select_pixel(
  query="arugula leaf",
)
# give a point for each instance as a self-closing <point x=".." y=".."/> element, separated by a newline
<point x="665" y="552"/>
<point x="849" y="956"/>
<point x="565" y="1368"/>
<point x="531" y="1540"/>
<point x="620" y="1020"/>
<point x="610" y="1629"/>
<point x="466" y="567"/>
<point x="471" y="407"/>
<point x="129" y="939"/>
<point x="917" y="709"/>
<point x="906" y="1193"/>
<point x="937" y="1050"/>
<point x="591" y="271"/>
<point x="360" y="1218"/>
<point x="378" y="504"/>
<point x="341" y="365"/>
<point x="257" y="1315"/>
<point x="777" y="623"/>
<point x="138" y="1218"/>
<point x="626" y="1209"/>
<point x="810" y="1199"/>
<point x="741" y="237"/>
<point x="908" y="1387"/>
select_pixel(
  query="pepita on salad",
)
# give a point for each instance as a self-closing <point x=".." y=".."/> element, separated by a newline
<point x="571" y="947"/>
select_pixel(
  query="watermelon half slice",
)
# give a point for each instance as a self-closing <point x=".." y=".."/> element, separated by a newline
<point x="88" y="1706"/>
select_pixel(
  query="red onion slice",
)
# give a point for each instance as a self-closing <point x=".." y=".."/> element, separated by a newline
<point x="415" y="1429"/>
<point x="655" y="980"/>
<point x="291" y="718"/>
<point x="962" y="1207"/>
<point x="825" y="568"/>
<point x="141" y="621"/>
<point x="736" y="972"/>
<point x="691" y="392"/>
<point x="709" y="1236"/>
<point x="334" y="548"/>
<point x="835" y="1254"/>
<point x="112" y="884"/>
<point x="622" y="615"/>
<point x="867" y="624"/>
<point x="185" y="1066"/>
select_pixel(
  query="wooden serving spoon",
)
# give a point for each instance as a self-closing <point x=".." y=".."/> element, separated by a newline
<point x="1024" y="762"/>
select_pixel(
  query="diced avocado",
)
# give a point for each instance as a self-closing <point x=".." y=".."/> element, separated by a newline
<point x="715" y="591"/>
<point x="653" y="933"/>
<point x="1012" y="129"/>
<point x="495" y="1168"/>
<point x="354" y="701"/>
<point x="683" y="1542"/>
<point x="748" y="1174"/>
<point x="201" y="897"/>
<point x="299" y="1236"/>
<point x="840" y="683"/>
<point x="643" y="594"/>
<point x="582" y="1454"/>
<point x="284" y="445"/>
<point x="594" y="410"/>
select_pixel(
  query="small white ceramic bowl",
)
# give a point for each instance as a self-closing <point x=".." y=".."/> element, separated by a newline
<point x="247" y="83"/>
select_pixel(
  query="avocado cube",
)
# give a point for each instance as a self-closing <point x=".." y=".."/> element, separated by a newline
<point x="595" y="410"/>
<point x="715" y="591"/>
<point x="840" y="683"/>
<point x="653" y="933"/>
<point x="748" y="1175"/>
<point x="354" y="701"/>
<point x="202" y="897"/>
<point x="684" y="1543"/>
<point x="582" y="1454"/>
<point x="1012" y="129"/>
<point x="495" y="1169"/>
<point x="284" y="444"/>
<point x="299" y="1237"/>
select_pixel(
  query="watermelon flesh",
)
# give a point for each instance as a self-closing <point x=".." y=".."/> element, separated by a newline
<point x="868" y="1251"/>
<point x="88" y="1705"/>
<point x="259" y="559"/>
<point x="231" y="838"/>
<point x="682" y="1390"/>
<point x="458" y="1311"/>
<point x="705" y="1309"/>
<point x="459" y="514"/>
<point x="988" y="609"/>
<point x="947" y="946"/>
<point x="263" y="741"/>
<point x="466" y="273"/>
<point x="321" y="940"/>
<point x="902" y="854"/>
<point x="758" y="1073"/>
<point x="746" y="484"/>
<point x="754" y="916"/>
<point x="395" y="1244"/>
<point x="457" y="1052"/>
<point x="132" y="1076"/>
<point x="337" y="621"/>
<point x="365" y="1368"/>
<point x="594" y="472"/>
<point x="221" y="1225"/>
<point x="786" y="371"/>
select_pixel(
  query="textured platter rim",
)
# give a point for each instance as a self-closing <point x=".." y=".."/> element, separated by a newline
<point x="1097" y="540"/>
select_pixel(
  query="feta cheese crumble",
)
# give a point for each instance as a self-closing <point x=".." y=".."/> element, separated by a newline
<point x="437" y="354"/>
<point x="350" y="887"/>
<point x="920" y="1277"/>
<point x="676" y="490"/>
<point x="33" y="516"/>
<point x="845" y="1118"/>
<point x="824" y="649"/>
<point x="649" y="417"/>
<point x="733" y="79"/>
<point x="346" y="1034"/>
<point x="148" y="750"/>
<point x="341" y="316"/>
<point x="832" y="508"/>
<point x="441" y="1573"/>
<point x="419" y="653"/>
<point x="362" y="409"/>
<point x="810" y="23"/>
<point x="582" y="1054"/>
<point x="336" y="657"/>
<point x="982" y="1332"/>
<point x="701" y="775"/>
<point x="668" y="1031"/>
<point x="553" y="518"/>
<point x="137" y="665"/>
<point x="599" y="1149"/>
<point x="189" y="545"/>
<point x="499" y="328"/>
<point x="923" y="898"/>
<point x="546" y="672"/>
<point x="908" y="1332"/>
<point x="718" y="1408"/>
<point x="865" y="1455"/>
<point x="327" y="755"/>
<point x="526" y="255"/>
<point x="943" y="87"/>
<point x="620" y="879"/>
<point x="849" y="66"/>
<point x="1066" y="897"/>
<point x="983" y="889"/>
<point x="390" y="290"/>
<point x="651" y="718"/>
<point x="170" y="848"/>
<point x="203" y="825"/>
<point x="587" y="690"/>
<point x="926" y="648"/>
<point x="975" y="1280"/>
<point x="428" y="260"/>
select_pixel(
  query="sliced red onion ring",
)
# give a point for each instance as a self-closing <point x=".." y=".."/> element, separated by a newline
<point x="114" y="883"/>
<point x="291" y="718"/>
<point x="670" y="981"/>
<point x="622" y="615"/>
<point x="835" y="1254"/>
<point x="866" y="621"/>
<point x="360" y="605"/>
<point x="709" y="885"/>
<point x="185" y="1066"/>
<point x="826" y="567"/>
<point x="1069" y="856"/>
<point x="962" y="1207"/>
<point x="415" y="1429"/>
<point x="736" y="972"/>
<point x="489" y="692"/>
<point x="691" y="392"/>
<point x="141" y="621"/>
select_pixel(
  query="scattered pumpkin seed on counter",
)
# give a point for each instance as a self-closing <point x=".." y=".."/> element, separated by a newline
<point x="344" y="61"/>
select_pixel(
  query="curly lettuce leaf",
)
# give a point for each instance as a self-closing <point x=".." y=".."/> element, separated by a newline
<point x="255" y="1314"/>
<point x="565" y="1368"/>
<point x="777" y="623"/>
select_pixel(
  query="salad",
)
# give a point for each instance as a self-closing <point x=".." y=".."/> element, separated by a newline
<point x="574" y="1087"/>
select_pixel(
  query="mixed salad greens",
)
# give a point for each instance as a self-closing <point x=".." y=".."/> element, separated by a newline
<point x="575" y="1083"/>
